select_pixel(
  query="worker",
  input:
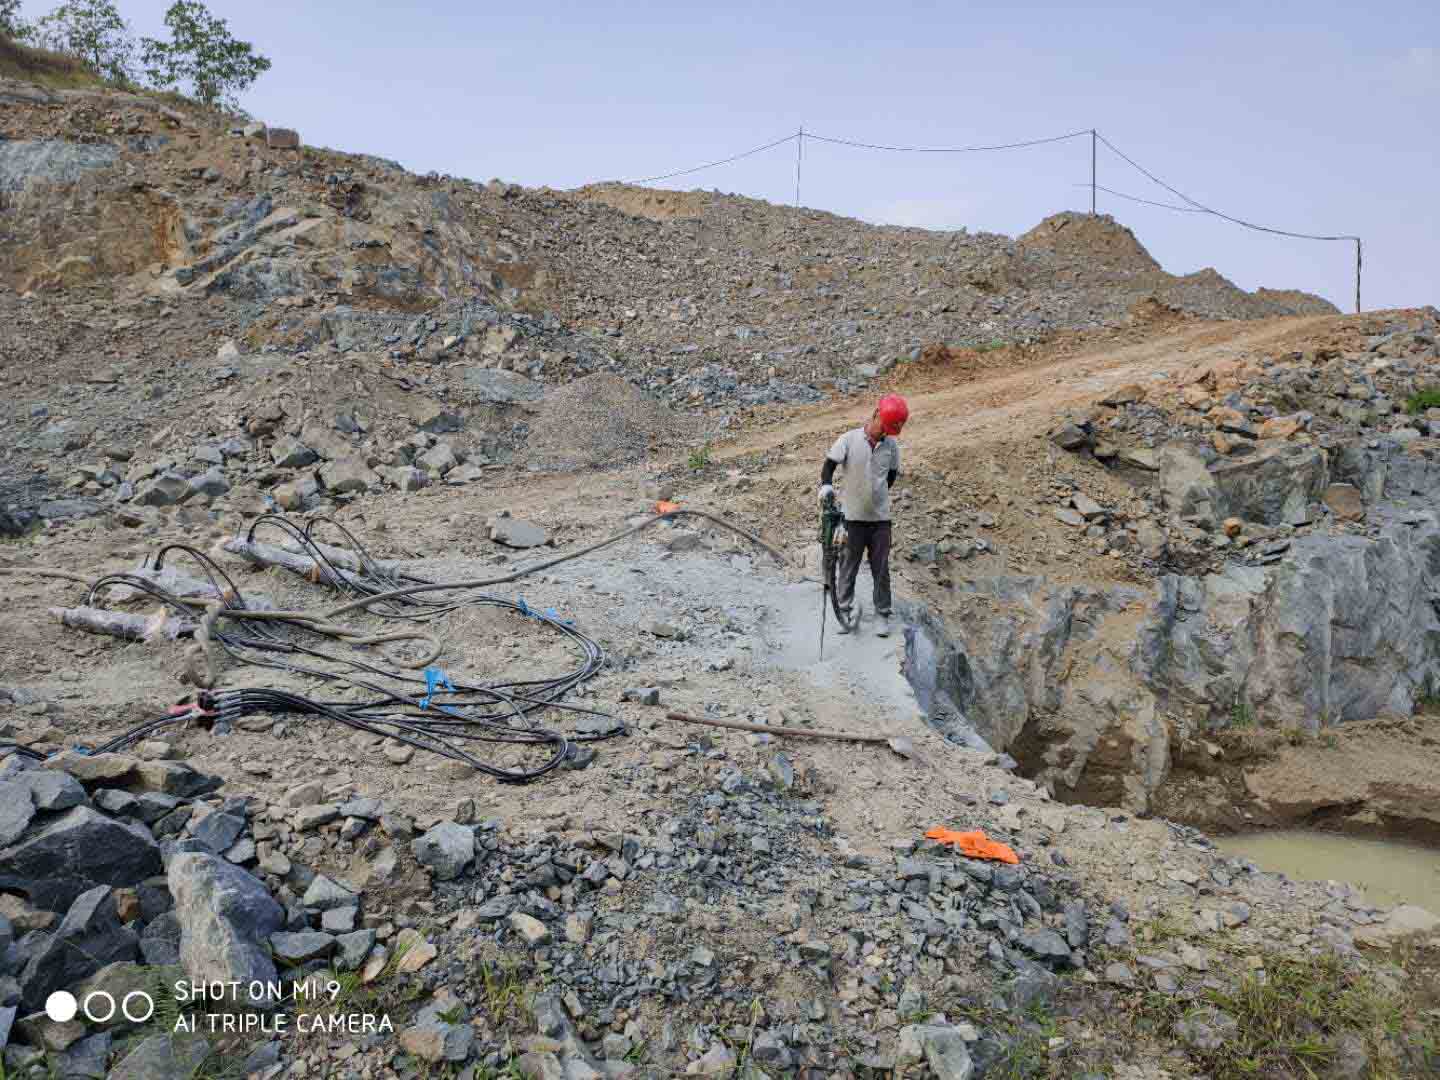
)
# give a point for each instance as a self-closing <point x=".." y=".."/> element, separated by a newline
<point x="870" y="459"/>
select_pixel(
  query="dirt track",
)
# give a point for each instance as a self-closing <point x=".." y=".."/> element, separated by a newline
<point x="1012" y="404"/>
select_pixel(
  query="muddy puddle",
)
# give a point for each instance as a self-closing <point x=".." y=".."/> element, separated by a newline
<point x="1388" y="872"/>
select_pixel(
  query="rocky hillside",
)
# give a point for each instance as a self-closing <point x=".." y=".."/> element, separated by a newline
<point x="703" y="297"/>
<point x="1114" y="532"/>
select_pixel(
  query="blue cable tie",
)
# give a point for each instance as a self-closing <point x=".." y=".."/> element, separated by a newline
<point x="435" y="679"/>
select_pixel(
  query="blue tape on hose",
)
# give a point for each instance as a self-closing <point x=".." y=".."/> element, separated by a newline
<point x="435" y="680"/>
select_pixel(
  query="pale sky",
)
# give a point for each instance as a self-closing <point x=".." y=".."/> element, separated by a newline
<point x="1316" y="117"/>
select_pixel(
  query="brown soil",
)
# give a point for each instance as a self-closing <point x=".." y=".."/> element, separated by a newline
<point x="1378" y="778"/>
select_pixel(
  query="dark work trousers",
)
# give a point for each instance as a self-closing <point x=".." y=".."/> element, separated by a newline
<point x="862" y="538"/>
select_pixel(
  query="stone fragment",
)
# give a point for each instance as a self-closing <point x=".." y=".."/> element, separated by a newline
<point x="445" y="849"/>
<point x="89" y="937"/>
<point x="226" y="917"/>
<point x="512" y="532"/>
<point x="297" y="948"/>
<point x="164" y="1056"/>
<point x="1345" y="502"/>
<point x="531" y="929"/>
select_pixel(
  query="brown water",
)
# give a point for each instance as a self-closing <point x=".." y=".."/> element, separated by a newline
<point x="1389" y="872"/>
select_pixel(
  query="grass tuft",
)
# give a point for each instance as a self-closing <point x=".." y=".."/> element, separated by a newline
<point x="1294" y="1019"/>
<point x="1421" y="400"/>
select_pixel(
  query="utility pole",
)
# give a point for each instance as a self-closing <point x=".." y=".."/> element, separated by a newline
<point x="799" y="155"/>
<point x="1357" y="275"/>
<point x="1092" y="172"/>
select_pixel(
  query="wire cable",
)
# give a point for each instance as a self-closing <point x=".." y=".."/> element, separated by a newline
<point x="946" y="149"/>
<point x="1211" y="210"/>
<point x="393" y="703"/>
<point x="714" y="164"/>
<point x="1147" y="202"/>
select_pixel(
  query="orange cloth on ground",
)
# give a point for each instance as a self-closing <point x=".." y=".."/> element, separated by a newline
<point x="974" y="845"/>
<point x="664" y="507"/>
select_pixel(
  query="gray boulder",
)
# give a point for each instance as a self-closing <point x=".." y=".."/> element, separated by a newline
<point x="51" y="790"/>
<point x="299" y="947"/>
<point x="17" y="810"/>
<point x="84" y="1059"/>
<point x="89" y="937"/>
<point x="512" y="532"/>
<point x="290" y="453"/>
<point x="493" y="386"/>
<point x="351" y="949"/>
<point x="160" y="940"/>
<point x="212" y="482"/>
<point x="348" y="474"/>
<point x="1046" y="945"/>
<point x="218" y="831"/>
<point x="167" y="490"/>
<point x="446" y="850"/>
<point x="163" y="1057"/>
<point x="438" y="460"/>
<point x="436" y="1039"/>
<point x="77" y="851"/>
<point x="226" y="918"/>
<point x="322" y="894"/>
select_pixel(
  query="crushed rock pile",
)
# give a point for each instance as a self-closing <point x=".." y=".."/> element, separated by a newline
<point x="600" y="420"/>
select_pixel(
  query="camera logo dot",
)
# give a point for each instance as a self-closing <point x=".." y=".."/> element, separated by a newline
<point x="61" y="1006"/>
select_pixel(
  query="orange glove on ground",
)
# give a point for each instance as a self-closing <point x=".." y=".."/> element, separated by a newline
<point x="974" y="845"/>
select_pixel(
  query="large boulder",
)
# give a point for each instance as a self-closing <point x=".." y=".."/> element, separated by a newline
<point x="17" y="810"/>
<point x="1273" y="486"/>
<point x="89" y="937"/>
<point x="226" y="918"/>
<point x="75" y="852"/>
<point x="493" y="386"/>
<point x="446" y="849"/>
<point x="349" y="473"/>
<point x="163" y="1057"/>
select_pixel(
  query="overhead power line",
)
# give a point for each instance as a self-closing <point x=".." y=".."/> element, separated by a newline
<point x="946" y="149"/>
<point x="1147" y="202"/>
<point x="1211" y="210"/>
<point x="713" y="164"/>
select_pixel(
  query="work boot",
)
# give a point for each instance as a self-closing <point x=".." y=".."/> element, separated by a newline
<point x="882" y="629"/>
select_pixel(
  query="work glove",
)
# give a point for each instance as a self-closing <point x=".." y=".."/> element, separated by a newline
<point x="826" y="490"/>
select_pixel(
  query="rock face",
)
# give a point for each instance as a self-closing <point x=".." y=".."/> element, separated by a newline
<point x="1089" y="686"/>
<point x="226" y="919"/>
<point x="50" y="162"/>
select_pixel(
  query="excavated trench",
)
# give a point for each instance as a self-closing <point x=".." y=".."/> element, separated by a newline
<point x="1246" y="701"/>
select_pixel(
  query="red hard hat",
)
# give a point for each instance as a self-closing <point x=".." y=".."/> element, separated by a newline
<point x="893" y="413"/>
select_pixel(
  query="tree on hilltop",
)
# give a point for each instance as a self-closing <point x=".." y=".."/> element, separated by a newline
<point x="93" y="31"/>
<point x="203" y="55"/>
<point x="11" y="25"/>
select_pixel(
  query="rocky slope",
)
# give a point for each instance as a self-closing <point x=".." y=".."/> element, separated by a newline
<point x="200" y="324"/>
<point x="1288" y="533"/>
<point x="702" y="295"/>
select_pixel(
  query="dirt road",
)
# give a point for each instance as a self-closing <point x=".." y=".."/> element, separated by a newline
<point x="1003" y="406"/>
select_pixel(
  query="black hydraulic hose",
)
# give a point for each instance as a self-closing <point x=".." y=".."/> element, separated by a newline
<point x="463" y="713"/>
